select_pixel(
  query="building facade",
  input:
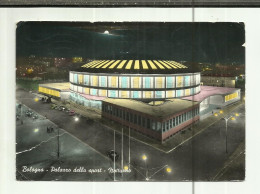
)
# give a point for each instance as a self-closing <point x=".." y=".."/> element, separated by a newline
<point x="159" y="122"/>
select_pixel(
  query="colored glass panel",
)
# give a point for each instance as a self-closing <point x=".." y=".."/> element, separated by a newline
<point x="102" y="81"/>
<point x="94" y="81"/>
<point x="179" y="93"/>
<point x="179" y="80"/>
<point x="113" y="81"/>
<point x="112" y="93"/>
<point x="170" y="82"/>
<point x="186" y="80"/>
<point x="147" y="82"/>
<point x="86" y="90"/>
<point x="136" y="82"/>
<point x="80" y="79"/>
<point x="187" y="92"/>
<point x="93" y="91"/>
<point x="102" y="93"/>
<point x="136" y="94"/>
<point x="148" y="94"/>
<point x="124" y="94"/>
<point x="86" y="79"/>
<point x="158" y="94"/>
<point x="159" y="82"/>
<point x="170" y="94"/>
<point x="75" y="78"/>
<point x="124" y="82"/>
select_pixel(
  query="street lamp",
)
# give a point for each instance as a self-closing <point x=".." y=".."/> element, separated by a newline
<point x="144" y="157"/>
<point x="227" y="118"/>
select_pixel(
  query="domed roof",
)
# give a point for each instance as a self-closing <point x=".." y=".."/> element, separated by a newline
<point x="135" y="66"/>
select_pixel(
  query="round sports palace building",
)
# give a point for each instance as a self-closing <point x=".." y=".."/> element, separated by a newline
<point x="145" y="80"/>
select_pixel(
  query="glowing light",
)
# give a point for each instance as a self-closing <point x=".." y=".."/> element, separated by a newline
<point x="221" y="111"/>
<point x="106" y="32"/>
<point x="36" y="130"/>
<point x="76" y="119"/>
<point x="233" y="118"/>
<point x="126" y="168"/>
<point x="236" y="114"/>
<point x="215" y="114"/>
<point x="144" y="157"/>
<point x="168" y="169"/>
<point x="36" y="99"/>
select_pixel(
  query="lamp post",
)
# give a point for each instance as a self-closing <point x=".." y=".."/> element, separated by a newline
<point x="144" y="157"/>
<point x="227" y="118"/>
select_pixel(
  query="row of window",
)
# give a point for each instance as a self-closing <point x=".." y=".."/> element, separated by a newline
<point x="135" y="81"/>
<point x="180" y="119"/>
<point x="85" y="102"/>
<point x="49" y="91"/>
<point x="231" y="96"/>
<point x="135" y="94"/>
<point x="147" y="122"/>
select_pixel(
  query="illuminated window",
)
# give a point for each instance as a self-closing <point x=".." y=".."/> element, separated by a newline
<point x="179" y="80"/>
<point x="179" y="93"/>
<point x="80" y="79"/>
<point x="86" y="80"/>
<point x="71" y="77"/>
<point x="75" y="78"/>
<point x="124" y="81"/>
<point x="112" y="81"/>
<point x="94" y="81"/>
<point x="136" y="82"/>
<point x="124" y="94"/>
<point x="197" y="79"/>
<point x="136" y="94"/>
<point x="192" y="91"/>
<point x="148" y="94"/>
<point x="170" y="94"/>
<point x="158" y="94"/>
<point x="186" y="81"/>
<point x="103" y="93"/>
<point x="170" y="82"/>
<point x="86" y="90"/>
<point x="159" y="82"/>
<point x="80" y="89"/>
<point x="148" y="83"/>
<point x="93" y="91"/>
<point x="187" y="92"/>
<point x="112" y="93"/>
<point x="102" y="81"/>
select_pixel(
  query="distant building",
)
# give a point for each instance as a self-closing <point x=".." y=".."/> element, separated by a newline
<point x="218" y="80"/>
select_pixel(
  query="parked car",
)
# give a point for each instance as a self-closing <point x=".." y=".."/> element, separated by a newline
<point x="35" y="116"/>
<point x="72" y="113"/>
<point x="29" y="113"/>
<point x="113" y="155"/>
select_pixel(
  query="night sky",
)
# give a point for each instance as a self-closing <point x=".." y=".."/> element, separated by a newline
<point x="198" y="42"/>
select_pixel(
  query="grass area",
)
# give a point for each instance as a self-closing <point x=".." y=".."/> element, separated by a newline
<point x="28" y="84"/>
